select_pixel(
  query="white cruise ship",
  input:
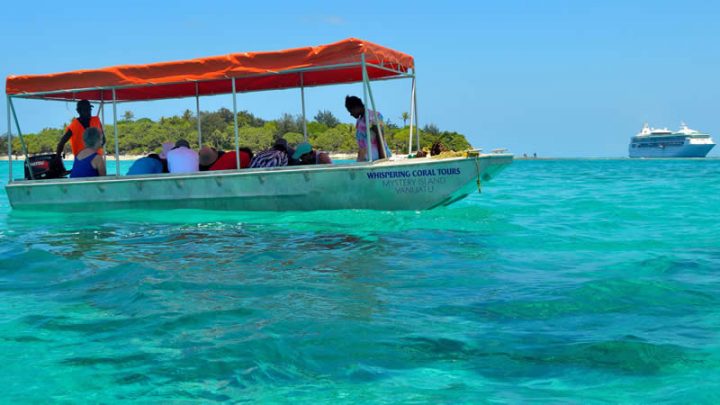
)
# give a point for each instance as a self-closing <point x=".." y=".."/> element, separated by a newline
<point x="663" y="143"/>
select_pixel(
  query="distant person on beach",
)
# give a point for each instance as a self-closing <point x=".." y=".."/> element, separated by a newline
<point x="357" y="110"/>
<point x="74" y="132"/>
<point x="306" y="155"/>
<point x="88" y="162"/>
<point x="212" y="159"/>
<point x="150" y="164"/>
<point x="182" y="159"/>
<point x="273" y="157"/>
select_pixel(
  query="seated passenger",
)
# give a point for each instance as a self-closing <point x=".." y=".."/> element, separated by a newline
<point x="166" y="147"/>
<point x="182" y="159"/>
<point x="228" y="161"/>
<point x="437" y="148"/>
<point x="273" y="157"/>
<point x="305" y="155"/>
<point x="207" y="157"/>
<point x="88" y="163"/>
<point x="211" y="159"/>
<point x="150" y="164"/>
<point x="282" y="144"/>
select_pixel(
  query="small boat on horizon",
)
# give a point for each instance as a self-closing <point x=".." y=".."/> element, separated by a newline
<point x="663" y="143"/>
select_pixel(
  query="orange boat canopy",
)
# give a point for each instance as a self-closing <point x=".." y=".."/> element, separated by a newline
<point x="335" y="63"/>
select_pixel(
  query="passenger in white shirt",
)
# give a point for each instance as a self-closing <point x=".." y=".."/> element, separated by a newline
<point x="182" y="159"/>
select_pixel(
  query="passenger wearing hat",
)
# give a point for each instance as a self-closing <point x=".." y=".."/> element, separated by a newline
<point x="282" y="144"/>
<point x="182" y="159"/>
<point x="212" y="159"/>
<point x="276" y="156"/>
<point x="74" y="131"/>
<point x="150" y="164"/>
<point x="208" y="156"/>
<point x="305" y="155"/>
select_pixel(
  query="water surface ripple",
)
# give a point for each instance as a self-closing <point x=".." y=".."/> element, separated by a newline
<point x="565" y="281"/>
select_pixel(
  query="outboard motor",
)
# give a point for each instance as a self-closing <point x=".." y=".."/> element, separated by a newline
<point x="46" y="166"/>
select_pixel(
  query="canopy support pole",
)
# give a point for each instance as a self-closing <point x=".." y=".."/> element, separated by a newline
<point x="115" y="129"/>
<point x="417" y="128"/>
<point x="368" y="140"/>
<point x="22" y="140"/>
<point x="197" y="113"/>
<point x="101" y="115"/>
<point x="101" y="110"/>
<point x="302" y="97"/>
<point x="235" y="124"/>
<point x="381" y="141"/>
<point x="9" y="141"/>
<point x="412" y="116"/>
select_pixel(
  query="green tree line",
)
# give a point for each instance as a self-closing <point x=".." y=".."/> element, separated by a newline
<point x="325" y="132"/>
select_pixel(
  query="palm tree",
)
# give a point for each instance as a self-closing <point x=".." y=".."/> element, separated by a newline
<point x="405" y="116"/>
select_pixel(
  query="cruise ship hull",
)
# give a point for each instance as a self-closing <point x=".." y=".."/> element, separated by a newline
<point x="672" y="151"/>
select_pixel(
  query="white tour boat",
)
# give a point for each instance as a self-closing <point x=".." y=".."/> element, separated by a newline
<point x="403" y="184"/>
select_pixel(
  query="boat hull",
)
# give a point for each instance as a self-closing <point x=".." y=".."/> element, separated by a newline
<point x="679" y="151"/>
<point x="413" y="184"/>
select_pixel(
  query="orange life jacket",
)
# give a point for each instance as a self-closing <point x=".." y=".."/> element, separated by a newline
<point x="76" y="141"/>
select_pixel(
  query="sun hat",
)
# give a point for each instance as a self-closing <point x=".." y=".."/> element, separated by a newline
<point x="166" y="147"/>
<point x="207" y="156"/>
<point x="301" y="149"/>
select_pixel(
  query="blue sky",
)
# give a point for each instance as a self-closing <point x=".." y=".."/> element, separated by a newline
<point x="559" y="78"/>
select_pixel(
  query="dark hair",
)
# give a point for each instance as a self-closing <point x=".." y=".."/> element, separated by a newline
<point x="247" y="150"/>
<point x="182" y="143"/>
<point x="154" y="156"/>
<point x="436" y="148"/>
<point x="84" y="103"/>
<point x="352" y="102"/>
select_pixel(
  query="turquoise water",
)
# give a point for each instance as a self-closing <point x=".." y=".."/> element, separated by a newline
<point x="565" y="281"/>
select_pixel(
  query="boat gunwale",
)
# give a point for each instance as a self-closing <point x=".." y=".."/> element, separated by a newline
<point x="22" y="183"/>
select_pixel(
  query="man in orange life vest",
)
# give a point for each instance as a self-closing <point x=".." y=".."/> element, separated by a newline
<point x="77" y="127"/>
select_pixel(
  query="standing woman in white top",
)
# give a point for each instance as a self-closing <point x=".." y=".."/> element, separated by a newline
<point x="182" y="159"/>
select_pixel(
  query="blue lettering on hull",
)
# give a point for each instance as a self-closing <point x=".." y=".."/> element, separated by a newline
<point x="404" y="174"/>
